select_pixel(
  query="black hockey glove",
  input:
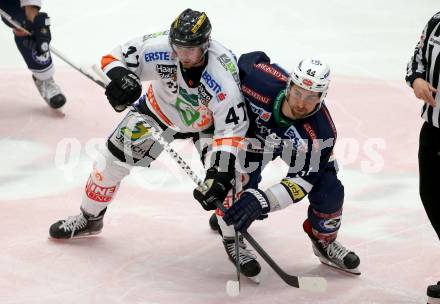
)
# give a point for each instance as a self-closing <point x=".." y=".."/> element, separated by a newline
<point x="124" y="89"/>
<point x="251" y="205"/>
<point x="40" y="38"/>
<point x="215" y="187"/>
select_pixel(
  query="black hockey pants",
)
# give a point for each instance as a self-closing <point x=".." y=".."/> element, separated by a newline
<point x="429" y="170"/>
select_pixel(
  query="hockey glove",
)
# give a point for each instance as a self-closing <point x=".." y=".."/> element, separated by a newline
<point x="40" y="38"/>
<point x="251" y="205"/>
<point x="215" y="187"/>
<point x="124" y="89"/>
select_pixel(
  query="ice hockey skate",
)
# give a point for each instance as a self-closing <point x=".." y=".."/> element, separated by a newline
<point x="334" y="254"/>
<point x="50" y="92"/>
<point x="433" y="293"/>
<point x="77" y="226"/>
<point x="249" y="265"/>
<point x="337" y="256"/>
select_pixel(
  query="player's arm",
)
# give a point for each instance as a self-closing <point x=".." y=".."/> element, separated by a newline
<point x="231" y="124"/>
<point x="122" y="66"/>
<point x="416" y="68"/>
<point x="247" y="61"/>
<point x="293" y="188"/>
<point x="38" y="24"/>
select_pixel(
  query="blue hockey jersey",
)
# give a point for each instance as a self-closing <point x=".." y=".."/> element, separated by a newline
<point x="306" y="145"/>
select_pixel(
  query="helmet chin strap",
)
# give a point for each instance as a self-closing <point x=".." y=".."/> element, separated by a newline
<point x="205" y="47"/>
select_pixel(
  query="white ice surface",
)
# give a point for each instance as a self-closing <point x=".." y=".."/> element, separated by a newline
<point x="156" y="246"/>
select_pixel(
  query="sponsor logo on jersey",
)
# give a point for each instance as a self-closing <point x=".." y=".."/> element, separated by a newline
<point x="295" y="191"/>
<point x="98" y="193"/>
<point x="213" y="85"/>
<point x="190" y="109"/>
<point x="153" y="56"/>
<point x="187" y="105"/>
<point x="263" y="114"/>
<point x="166" y="71"/>
<point x="221" y="96"/>
<point x="295" y="138"/>
<point x="312" y="135"/>
<point x="154" y="35"/>
<point x="229" y="66"/>
<point x="248" y="91"/>
<point x="204" y="96"/>
<point x="268" y="69"/>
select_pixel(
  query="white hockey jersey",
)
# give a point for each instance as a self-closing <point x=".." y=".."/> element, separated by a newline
<point x="216" y="101"/>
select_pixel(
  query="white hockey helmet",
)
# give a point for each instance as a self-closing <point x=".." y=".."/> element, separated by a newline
<point x="312" y="75"/>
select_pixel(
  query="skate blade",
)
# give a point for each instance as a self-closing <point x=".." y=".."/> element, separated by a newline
<point x="57" y="113"/>
<point x="354" y="271"/>
<point x="255" y="279"/>
<point x="80" y="236"/>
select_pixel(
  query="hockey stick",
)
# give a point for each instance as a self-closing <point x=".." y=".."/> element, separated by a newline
<point x="52" y="49"/>
<point x="233" y="287"/>
<point x="315" y="284"/>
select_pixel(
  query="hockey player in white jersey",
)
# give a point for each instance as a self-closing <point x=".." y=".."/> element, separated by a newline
<point x="193" y="92"/>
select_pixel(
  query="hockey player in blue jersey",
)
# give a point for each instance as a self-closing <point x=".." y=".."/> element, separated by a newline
<point x="35" y="48"/>
<point x="289" y="119"/>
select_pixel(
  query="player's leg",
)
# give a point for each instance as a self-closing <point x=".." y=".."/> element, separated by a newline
<point x="130" y="145"/>
<point x="433" y="293"/>
<point x="249" y="179"/>
<point x="429" y="171"/>
<point x="324" y="220"/>
<point x="41" y="66"/>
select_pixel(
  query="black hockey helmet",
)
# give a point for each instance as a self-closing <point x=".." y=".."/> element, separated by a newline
<point x="191" y="28"/>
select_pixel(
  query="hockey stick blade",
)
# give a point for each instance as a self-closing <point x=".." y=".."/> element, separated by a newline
<point x="315" y="284"/>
